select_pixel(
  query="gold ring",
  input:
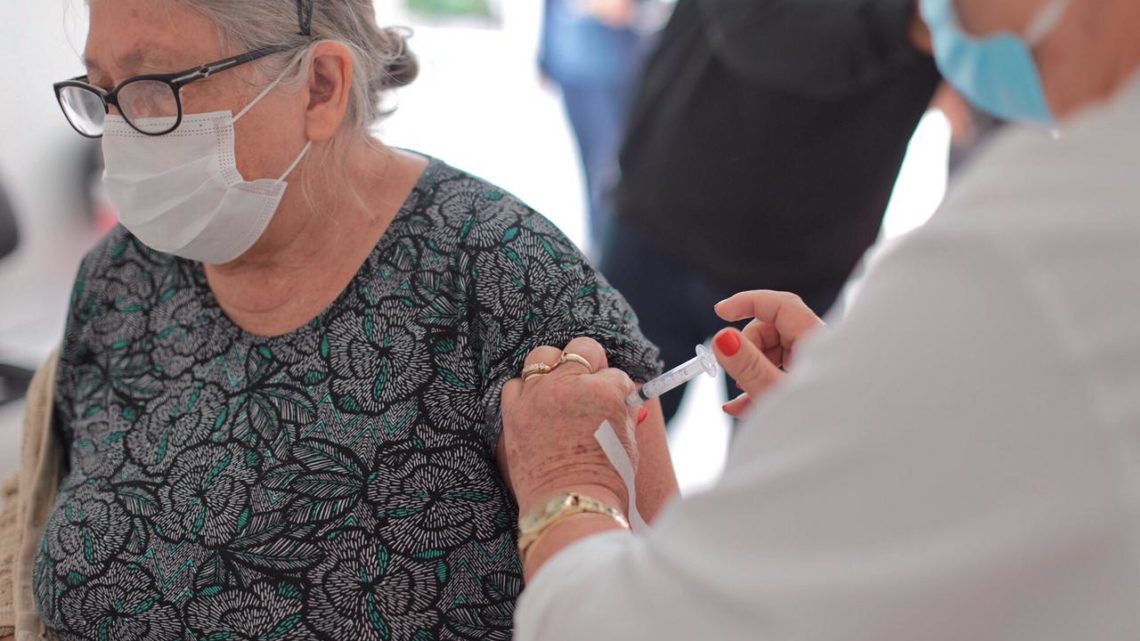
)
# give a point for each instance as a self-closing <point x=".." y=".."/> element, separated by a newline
<point x="538" y="369"/>
<point x="570" y="357"/>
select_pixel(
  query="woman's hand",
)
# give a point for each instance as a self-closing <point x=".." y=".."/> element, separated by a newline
<point x="548" y="444"/>
<point x="757" y="357"/>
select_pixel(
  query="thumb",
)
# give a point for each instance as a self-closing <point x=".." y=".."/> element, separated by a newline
<point x="745" y="363"/>
<point x="739" y="406"/>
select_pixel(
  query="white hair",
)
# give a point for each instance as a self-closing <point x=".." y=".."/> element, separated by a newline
<point x="383" y="61"/>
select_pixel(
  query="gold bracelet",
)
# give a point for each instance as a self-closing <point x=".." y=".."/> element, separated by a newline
<point x="543" y="517"/>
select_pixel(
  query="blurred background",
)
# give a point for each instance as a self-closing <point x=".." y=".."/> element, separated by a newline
<point x="480" y="104"/>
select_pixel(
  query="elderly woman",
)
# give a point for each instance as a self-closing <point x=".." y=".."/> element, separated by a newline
<point x="959" y="456"/>
<point x="277" y="397"/>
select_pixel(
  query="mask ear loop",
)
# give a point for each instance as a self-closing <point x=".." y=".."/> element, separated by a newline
<point x="304" y="152"/>
<point x="1046" y="21"/>
<point x="265" y="92"/>
<point x="1043" y="25"/>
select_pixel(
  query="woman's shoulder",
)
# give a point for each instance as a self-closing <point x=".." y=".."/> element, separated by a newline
<point x="117" y="249"/>
<point x="121" y="275"/>
<point x="484" y="228"/>
<point x="460" y="200"/>
<point x="529" y="283"/>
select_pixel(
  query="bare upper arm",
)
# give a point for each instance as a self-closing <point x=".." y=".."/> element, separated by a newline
<point x="656" y="478"/>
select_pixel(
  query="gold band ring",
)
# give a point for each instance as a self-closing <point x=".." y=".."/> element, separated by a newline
<point x="570" y="357"/>
<point x="538" y="369"/>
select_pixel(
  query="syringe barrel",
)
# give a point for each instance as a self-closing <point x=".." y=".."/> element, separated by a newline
<point x="674" y="378"/>
<point x="668" y="381"/>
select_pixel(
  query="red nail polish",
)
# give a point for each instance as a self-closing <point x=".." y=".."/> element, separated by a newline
<point x="728" y="342"/>
<point x="642" y="414"/>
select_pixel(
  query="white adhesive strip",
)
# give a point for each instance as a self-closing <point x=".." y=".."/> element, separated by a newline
<point x="619" y="459"/>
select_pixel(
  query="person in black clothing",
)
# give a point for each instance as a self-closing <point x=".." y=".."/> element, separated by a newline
<point x="13" y="379"/>
<point x="778" y="123"/>
<point x="9" y="234"/>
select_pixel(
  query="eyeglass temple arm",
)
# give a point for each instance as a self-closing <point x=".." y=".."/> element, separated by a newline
<point x="205" y="71"/>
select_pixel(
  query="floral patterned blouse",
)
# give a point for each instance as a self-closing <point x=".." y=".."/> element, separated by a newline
<point x="336" y="482"/>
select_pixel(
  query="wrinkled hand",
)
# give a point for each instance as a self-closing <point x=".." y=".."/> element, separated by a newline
<point x="757" y="357"/>
<point x="548" y="444"/>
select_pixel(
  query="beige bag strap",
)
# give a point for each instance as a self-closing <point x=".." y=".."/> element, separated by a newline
<point x="41" y="462"/>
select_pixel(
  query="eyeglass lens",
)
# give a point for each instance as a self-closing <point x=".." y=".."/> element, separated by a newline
<point x="151" y="106"/>
<point x="84" y="108"/>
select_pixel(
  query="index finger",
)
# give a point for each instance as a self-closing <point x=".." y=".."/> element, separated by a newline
<point x="786" y="311"/>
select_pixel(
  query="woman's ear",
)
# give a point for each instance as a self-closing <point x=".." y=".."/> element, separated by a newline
<point x="330" y="89"/>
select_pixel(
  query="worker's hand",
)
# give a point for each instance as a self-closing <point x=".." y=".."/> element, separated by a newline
<point x="757" y="357"/>
<point x="548" y="445"/>
<point x="617" y="14"/>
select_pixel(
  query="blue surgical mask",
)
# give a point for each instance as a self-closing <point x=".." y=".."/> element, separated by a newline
<point x="998" y="73"/>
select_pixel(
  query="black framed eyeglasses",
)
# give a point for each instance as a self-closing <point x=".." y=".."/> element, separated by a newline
<point x="151" y="104"/>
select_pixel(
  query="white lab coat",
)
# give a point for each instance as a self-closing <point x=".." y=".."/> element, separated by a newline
<point x="956" y="459"/>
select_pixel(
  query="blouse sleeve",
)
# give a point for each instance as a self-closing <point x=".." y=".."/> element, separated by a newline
<point x="530" y="286"/>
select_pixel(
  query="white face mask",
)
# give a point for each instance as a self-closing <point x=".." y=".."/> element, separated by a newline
<point x="182" y="194"/>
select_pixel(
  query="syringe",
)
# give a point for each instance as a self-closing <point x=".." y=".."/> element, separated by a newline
<point x="676" y="377"/>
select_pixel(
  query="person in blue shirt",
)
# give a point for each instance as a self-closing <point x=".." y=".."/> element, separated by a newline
<point x="590" y="50"/>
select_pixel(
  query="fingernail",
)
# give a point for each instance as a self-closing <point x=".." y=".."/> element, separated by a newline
<point x="728" y="342"/>
<point x="642" y="414"/>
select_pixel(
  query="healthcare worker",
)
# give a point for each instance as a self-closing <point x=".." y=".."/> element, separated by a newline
<point x="957" y="458"/>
